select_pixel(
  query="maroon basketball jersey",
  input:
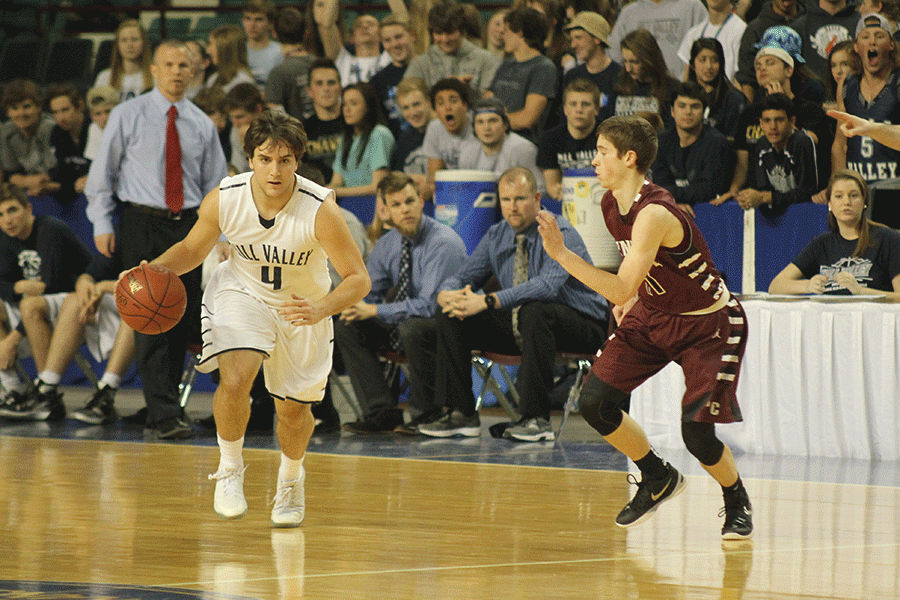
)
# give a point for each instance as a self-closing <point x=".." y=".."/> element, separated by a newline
<point x="682" y="279"/>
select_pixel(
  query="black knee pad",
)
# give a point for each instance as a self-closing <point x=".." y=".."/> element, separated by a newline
<point x="701" y="441"/>
<point x="601" y="405"/>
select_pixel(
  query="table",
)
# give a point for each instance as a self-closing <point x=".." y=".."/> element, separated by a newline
<point x="818" y="379"/>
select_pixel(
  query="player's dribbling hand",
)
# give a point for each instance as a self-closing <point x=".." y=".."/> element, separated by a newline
<point x="125" y="272"/>
<point x="551" y="235"/>
<point x="301" y="311"/>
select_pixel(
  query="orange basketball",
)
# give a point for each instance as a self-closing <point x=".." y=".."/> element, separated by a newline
<point x="151" y="299"/>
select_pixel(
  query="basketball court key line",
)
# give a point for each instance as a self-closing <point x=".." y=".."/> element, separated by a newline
<point x="540" y="563"/>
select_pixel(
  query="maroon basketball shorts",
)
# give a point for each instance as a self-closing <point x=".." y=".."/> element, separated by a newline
<point x="709" y="349"/>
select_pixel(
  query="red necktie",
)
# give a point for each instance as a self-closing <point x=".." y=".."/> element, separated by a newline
<point x="174" y="184"/>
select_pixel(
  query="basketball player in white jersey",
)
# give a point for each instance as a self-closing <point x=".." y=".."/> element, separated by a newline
<point x="270" y="301"/>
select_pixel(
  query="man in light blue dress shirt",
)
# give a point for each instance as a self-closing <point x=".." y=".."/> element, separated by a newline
<point x="543" y="311"/>
<point x="436" y="252"/>
<point x="130" y="168"/>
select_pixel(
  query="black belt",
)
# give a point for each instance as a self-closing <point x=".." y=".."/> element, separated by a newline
<point x="161" y="213"/>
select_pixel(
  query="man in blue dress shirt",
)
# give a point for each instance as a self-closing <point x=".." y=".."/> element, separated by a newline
<point x="131" y="167"/>
<point x="538" y="310"/>
<point x="435" y="253"/>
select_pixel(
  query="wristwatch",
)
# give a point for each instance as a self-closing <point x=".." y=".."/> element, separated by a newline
<point x="491" y="301"/>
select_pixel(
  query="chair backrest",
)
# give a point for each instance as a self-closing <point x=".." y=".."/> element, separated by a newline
<point x="21" y="58"/>
<point x="68" y="61"/>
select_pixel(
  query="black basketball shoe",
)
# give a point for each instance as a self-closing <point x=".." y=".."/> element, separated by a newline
<point x="38" y="406"/>
<point x="738" y="515"/>
<point x="650" y="494"/>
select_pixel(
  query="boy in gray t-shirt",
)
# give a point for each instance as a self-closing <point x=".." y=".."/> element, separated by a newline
<point x="495" y="148"/>
<point x="445" y="135"/>
<point x="526" y="81"/>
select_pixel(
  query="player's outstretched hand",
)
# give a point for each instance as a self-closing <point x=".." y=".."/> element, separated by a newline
<point x="851" y="125"/>
<point x="301" y="311"/>
<point x="125" y="272"/>
<point x="551" y="234"/>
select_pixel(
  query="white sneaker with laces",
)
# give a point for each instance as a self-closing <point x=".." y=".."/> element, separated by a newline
<point x="229" y="500"/>
<point x="289" y="502"/>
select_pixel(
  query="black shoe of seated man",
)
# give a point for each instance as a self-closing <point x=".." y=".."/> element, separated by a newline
<point x="138" y="418"/>
<point x="412" y="428"/>
<point x="382" y="421"/>
<point x="173" y="428"/>
<point x="327" y="427"/>
<point x="207" y="422"/>
<point x="100" y="409"/>
<point x="38" y="406"/>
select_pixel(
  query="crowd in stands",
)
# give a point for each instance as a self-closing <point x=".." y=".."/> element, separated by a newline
<point x="738" y="93"/>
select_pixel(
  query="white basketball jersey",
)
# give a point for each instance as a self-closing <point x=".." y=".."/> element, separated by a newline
<point x="276" y="258"/>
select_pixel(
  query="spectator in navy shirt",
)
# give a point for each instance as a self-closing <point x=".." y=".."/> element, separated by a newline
<point x="69" y="139"/>
<point x="572" y="144"/>
<point x="589" y="32"/>
<point x="694" y="159"/>
<point x="785" y="161"/>
<point x="398" y="42"/>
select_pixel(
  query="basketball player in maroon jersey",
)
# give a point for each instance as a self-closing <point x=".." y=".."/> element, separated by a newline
<point x="671" y="305"/>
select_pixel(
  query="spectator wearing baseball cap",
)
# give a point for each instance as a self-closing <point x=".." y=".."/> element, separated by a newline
<point x="776" y="12"/>
<point x="889" y="9"/>
<point x="825" y="24"/>
<point x="780" y="68"/>
<point x="496" y="148"/>
<point x="589" y="32"/>
<point x="873" y="94"/>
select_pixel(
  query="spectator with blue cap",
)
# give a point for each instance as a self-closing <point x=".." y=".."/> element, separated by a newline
<point x="780" y="70"/>
<point x="776" y="12"/>
<point x="825" y="24"/>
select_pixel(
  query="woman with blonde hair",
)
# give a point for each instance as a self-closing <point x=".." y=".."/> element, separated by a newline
<point x="855" y="256"/>
<point x="129" y="70"/>
<point x="228" y="51"/>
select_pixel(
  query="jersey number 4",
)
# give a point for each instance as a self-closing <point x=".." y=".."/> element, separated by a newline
<point x="274" y="280"/>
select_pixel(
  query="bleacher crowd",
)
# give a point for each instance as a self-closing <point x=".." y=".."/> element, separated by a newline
<point x="738" y="93"/>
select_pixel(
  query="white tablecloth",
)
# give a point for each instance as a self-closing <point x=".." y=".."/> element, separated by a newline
<point x="818" y="379"/>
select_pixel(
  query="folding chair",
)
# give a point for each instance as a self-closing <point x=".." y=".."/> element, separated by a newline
<point x="583" y="363"/>
<point x="189" y="375"/>
<point x="484" y="362"/>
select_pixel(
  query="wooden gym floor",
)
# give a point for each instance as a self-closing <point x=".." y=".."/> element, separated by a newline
<point x="97" y="512"/>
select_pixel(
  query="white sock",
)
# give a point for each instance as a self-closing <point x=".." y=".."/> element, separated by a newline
<point x="231" y="453"/>
<point x="289" y="469"/>
<point x="11" y="382"/>
<point x="49" y="377"/>
<point x="111" y="380"/>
